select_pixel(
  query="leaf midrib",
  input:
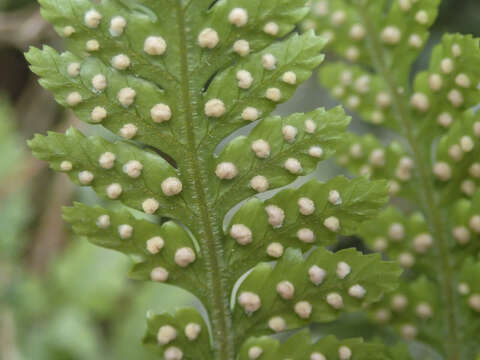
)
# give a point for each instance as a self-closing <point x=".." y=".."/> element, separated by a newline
<point x="205" y="224"/>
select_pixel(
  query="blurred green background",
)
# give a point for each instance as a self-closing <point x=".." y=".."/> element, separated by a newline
<point x="60" y="297"/>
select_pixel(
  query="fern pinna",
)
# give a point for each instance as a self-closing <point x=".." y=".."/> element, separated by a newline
<point x="173" y="80"/>
<point x="433" y="162"/>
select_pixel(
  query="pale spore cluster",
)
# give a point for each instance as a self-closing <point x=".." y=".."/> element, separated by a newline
<point x="167" y="111"/>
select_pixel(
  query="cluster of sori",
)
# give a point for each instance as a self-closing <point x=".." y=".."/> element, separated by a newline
<point x="431" y="163"/>
<point x="172" y="90"/>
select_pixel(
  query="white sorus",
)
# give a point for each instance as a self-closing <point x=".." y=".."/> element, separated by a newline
<point x="99" y="82"/>
<point x="396" y="231"/>
<point x="415" y="41"/>
<point x="161" y="113"/>
<point x="474" y="302"/>
<point x="456" y="50"/>
<point x="463" y="289"/>
<point x="150" y="206"/>
<point x="353" y="101"/>
<point x="399" y="302"/>
<point x="74" y="98"/>
<point x="380" y="244"/>
<point x="173" y="353"/>
<point x="455" y="152"/>
<point x="276" y="215"/>
<point x="468" y="187"/>
<point x="250" y="302"/>
<point x="405" y="5"/>
<point x="447" y="66"/>
<point x="476" y="128"/>
<point x="424" y="311"/>
<point x="103" y="221"/>
<point x="250" y="114"/>
<point x="172" y="186"/>
<point x="255" y="352"/>
<point x="352" y="53"/>
<point x="289" y="77"/>
<point x="338" y="91"/>
<point x="306" y="206"/>
<point x="357" y="291"/>
<point x="310" y="126"/>
<point x="241" y="233"/>
<point x="92" y="45"/>
<point x="107" y="160"/>
<point x="317" y="356"/>
<point x="184" y="256"/>
<point x="259" y="183"/>
<point x="155" y="244"/>
<point x="466" y="143"/>
<point x="92" y="18"/>
<point x="343" y="270"/>
<point x="68" y="31"/>
<point x="335" y="300"/>
<point x="126" y="96"/>
<point x="214" y="108"/>
<point x="121" y="62"/>
<point x="320" y="8"/>
<point x="192" y="330"/>
<point x="273" y="94"/>
<point x="383" y="316"/>
<point x="406" y="260"/>
<point x="422" y="242"/>
<point x="435" y="81"/>
<point x="338" y="17"/>
<point x="463" y="80"/>
<point x="261" y="148"/>
<point x="241" y="47"/>
<point x="409" y="331"/>
<point x="315" y="151"/>
<point x="442" y="171"/>
<point x="303" y="309"/>
<point x="277" y="324"/>
<point x="346" y="77"/>
<point x="445" y="119"/>
<point x="356" y="151"/>
<point x="238" y="17"/>
<point x="73" y="69"/>
<point x="245" y="79"/>
<point x="128" y="131"/>
<point x="332" y="223"/>
<point x="286" y="290"/>
<point x="275" y="250"/>
<point x="377" y="158"/>
<point x="98" y="114"/>
<point x="66" y="165"/>
<point x="155" y="45"/>
<point x="422" y="17"/>
<point x="391" y="35"/>
<point x="125" y="231"/>
<point x="334" y="197"/>
<point x="114" y="191"/>
<point x="474" y="170"/>
<point x="226" y="171"/>
<point x="316" y="274"/>
<point x="455" y="97"/>
<point x="117" y="25"/>
<point x="306" y="235"/>
<point x="289" y="133"/>
<point x="271" y="28"/>
<point x="166" y="334"/>
<point x="133" y="168"/>
<point x="269" y="61"/>
<point x="159" y="274"/>
<point x="85" y="177"/>
<point x="208" y="38"/>
<point x="362" y="84"/>
<point x="420" y="101"/>
<point x="293" y="166"/>
<point x="357" y="32"/>
<point x="344" y="353"/>
<point x="474" y="223"/>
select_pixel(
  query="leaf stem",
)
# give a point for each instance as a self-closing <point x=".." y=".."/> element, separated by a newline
<point x="427" y="195"/>
<point x="205" y="225"/>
